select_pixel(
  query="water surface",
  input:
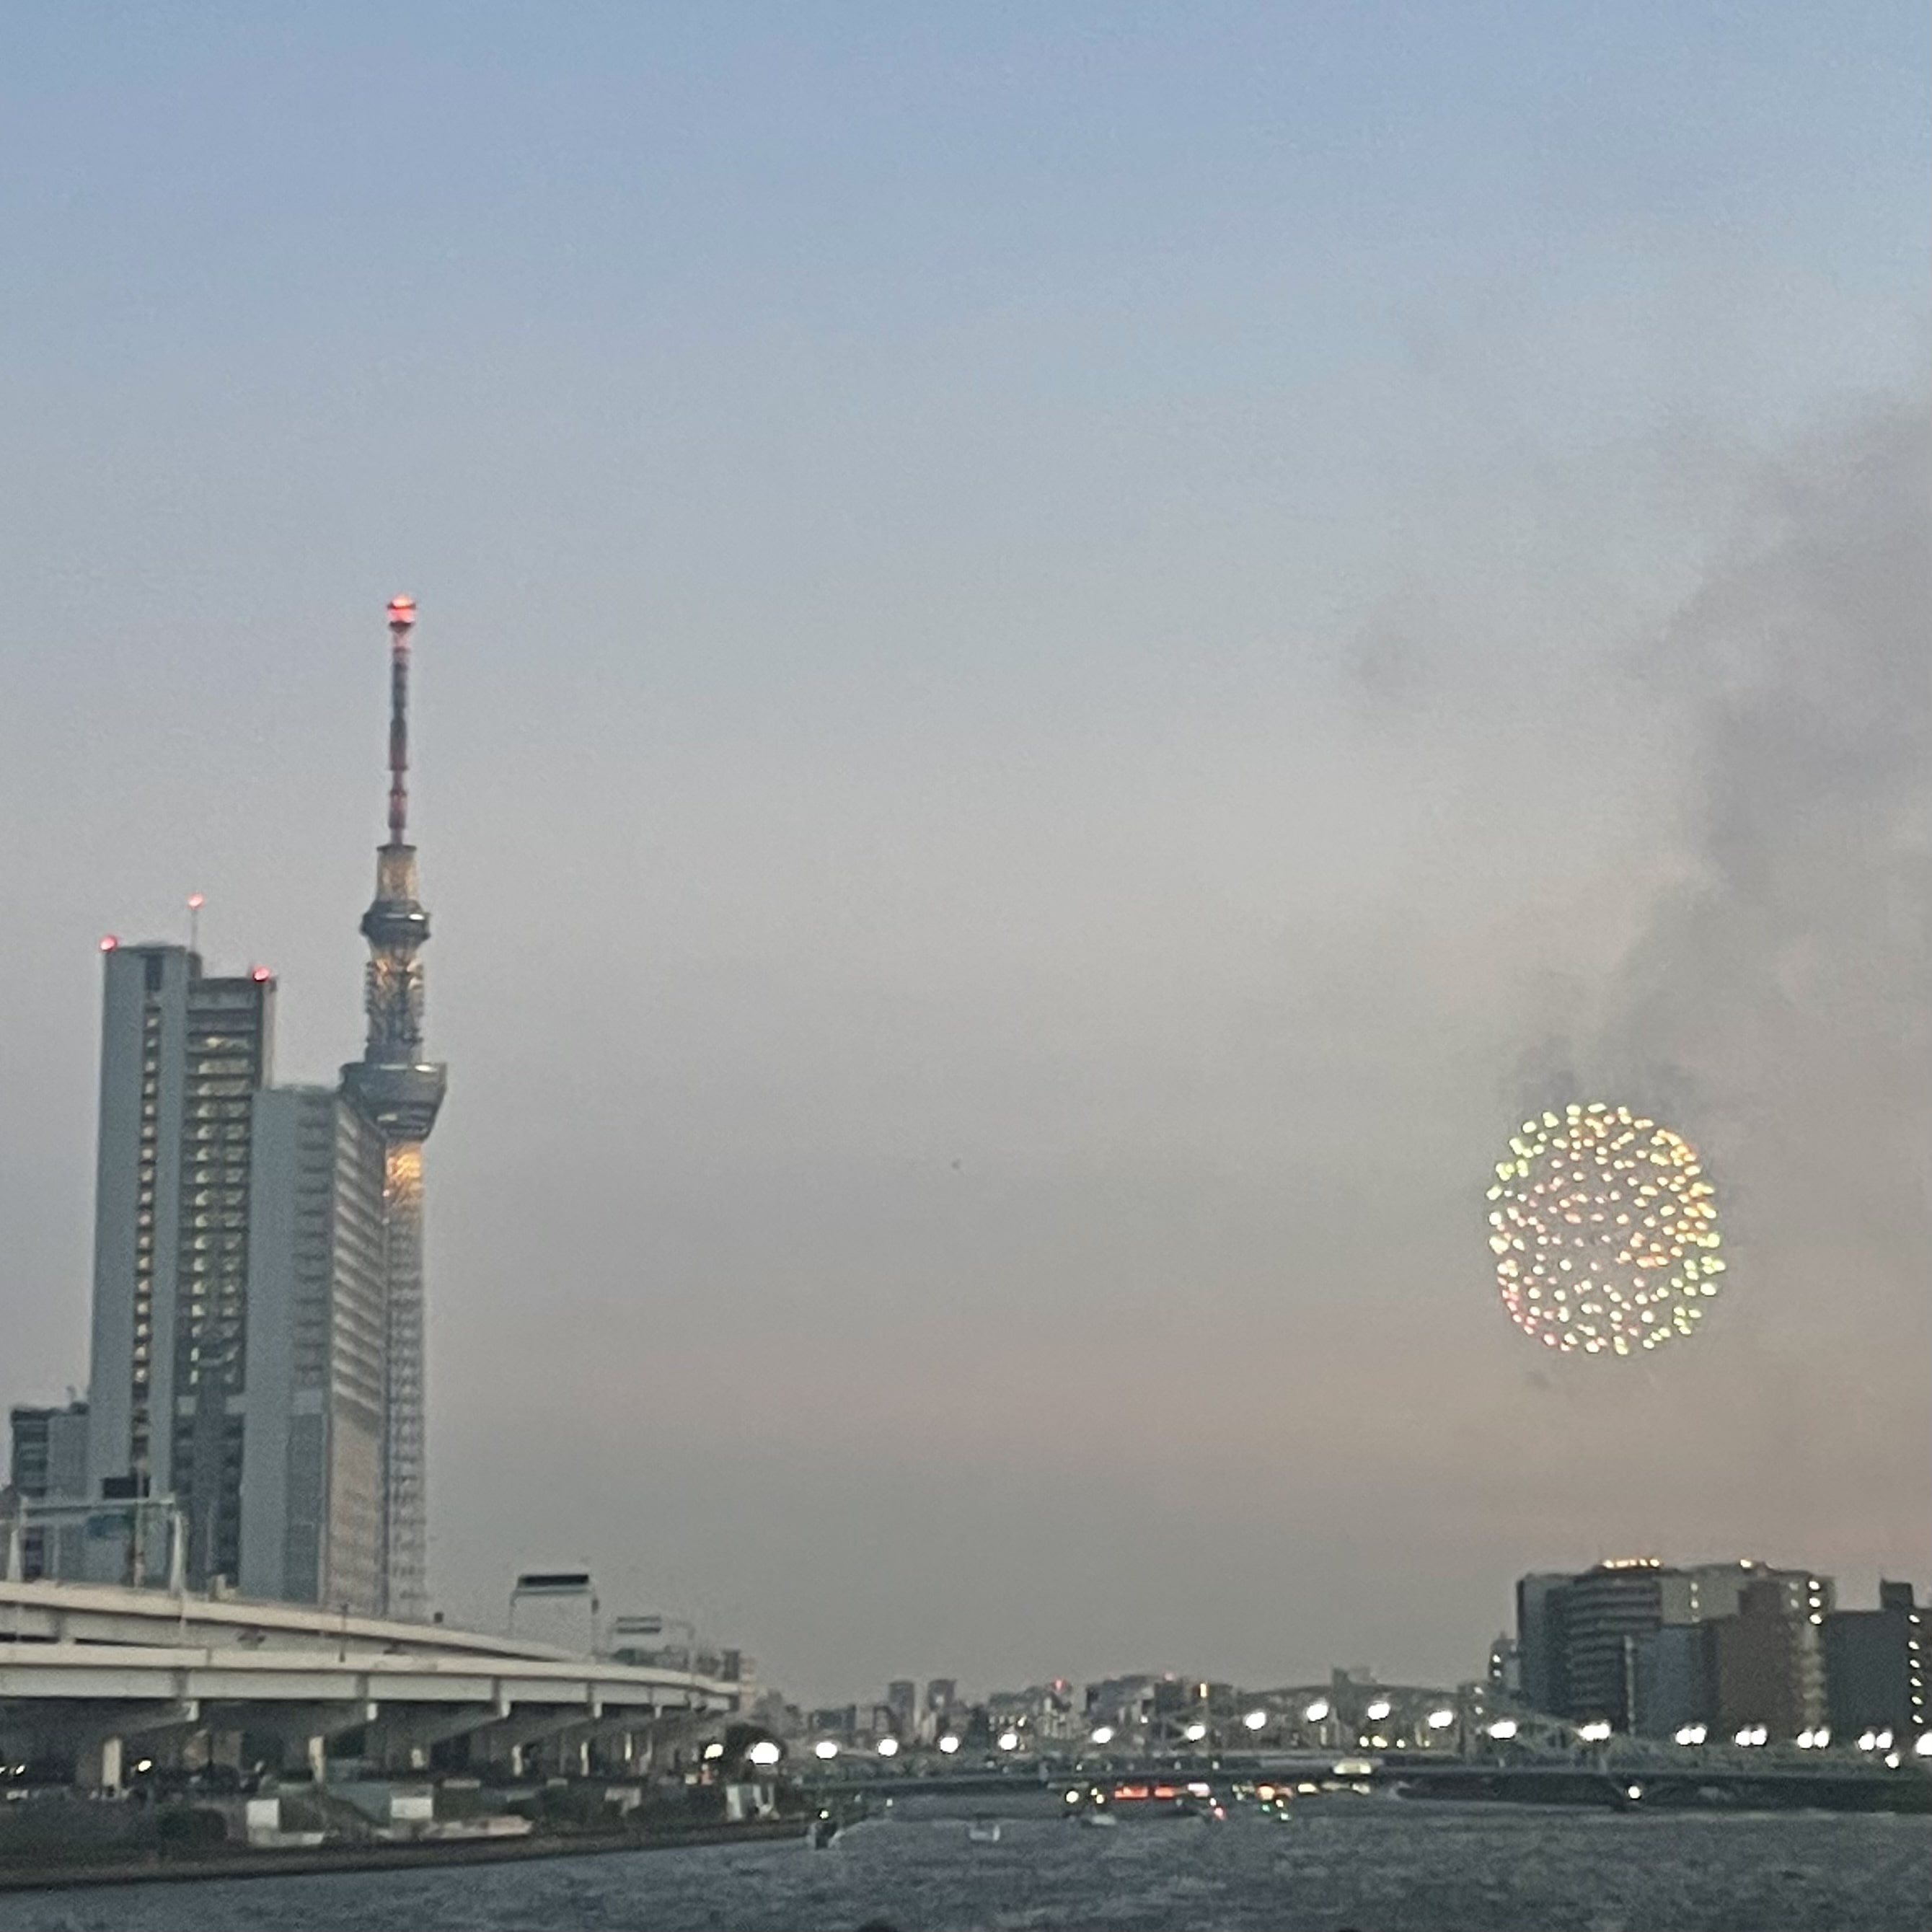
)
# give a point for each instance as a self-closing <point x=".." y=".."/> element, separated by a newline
<point x="1383" y="1867"/>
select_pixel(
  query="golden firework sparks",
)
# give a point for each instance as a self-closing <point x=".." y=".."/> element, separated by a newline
<point x="1604" y="1230"/>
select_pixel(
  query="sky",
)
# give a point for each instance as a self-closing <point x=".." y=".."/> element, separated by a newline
<point x="1065" y="656"/>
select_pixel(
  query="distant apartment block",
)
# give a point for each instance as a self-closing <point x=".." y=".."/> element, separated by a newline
<point x="312" y="1467"/>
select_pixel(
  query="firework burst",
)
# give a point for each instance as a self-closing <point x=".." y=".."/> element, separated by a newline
<point x="1605" y="1232"/>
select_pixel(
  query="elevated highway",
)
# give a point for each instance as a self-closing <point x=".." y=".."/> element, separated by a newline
<point x="96" y="1677"/>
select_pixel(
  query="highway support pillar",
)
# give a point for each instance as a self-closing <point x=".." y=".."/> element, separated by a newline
<point x="402" y="1739"/>
<point x="508" y="1743"/>
<point x="99" y="1744"/>
<point x="98" y="1764"/>
<point x="300" y="1732"/>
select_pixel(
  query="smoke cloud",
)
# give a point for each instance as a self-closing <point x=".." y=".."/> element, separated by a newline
<point x="1775" y="999"/>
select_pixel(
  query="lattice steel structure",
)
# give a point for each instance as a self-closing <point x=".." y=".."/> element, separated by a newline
<point x="395" y="1087"/>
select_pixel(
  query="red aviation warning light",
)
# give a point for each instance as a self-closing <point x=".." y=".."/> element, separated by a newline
<point x="402" y="612"/>
<point x="108" y="942"/>
<point x="261" y="975"/>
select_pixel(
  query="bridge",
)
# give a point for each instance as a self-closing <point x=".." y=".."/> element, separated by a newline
<point x="1629" y="1773"/>
<point x="98" y="1679"/>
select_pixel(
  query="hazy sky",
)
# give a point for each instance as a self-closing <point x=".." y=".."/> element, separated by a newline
<point x="1066" y="653"/>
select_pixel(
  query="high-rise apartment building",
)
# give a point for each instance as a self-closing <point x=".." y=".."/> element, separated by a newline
<point x="183" y="1056"/>
<point x="313" y="1485"/>
<point x="399" y="1091"/>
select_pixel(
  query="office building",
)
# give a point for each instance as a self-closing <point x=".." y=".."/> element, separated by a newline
<point x="183" y="1056"/>
<point x="1671" y="1676"/>
<point x="902" y="1700"/>
<point x="1594" y="1646"/>
<point x="1602" y="1612"/>
<point x="1716" y="1589"/>
<point x="399" y="1091"/>
<point x="313" y="1492"/>
<point x="1875" y="1667"/>
<point x="47" y="1463"/>
<point x="1539" y="1641"/>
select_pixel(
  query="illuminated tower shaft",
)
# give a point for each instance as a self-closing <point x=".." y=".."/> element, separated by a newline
<point x="400" y="1090"/>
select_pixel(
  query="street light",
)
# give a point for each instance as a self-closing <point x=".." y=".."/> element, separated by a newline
<point x="1923" y="1748"/>
<point x="1009" y="1741"/>
<point x="1692" y="1734"/>
<point x="887" y="1748"/>
<point x="1503" y="1729"/>
<point x="1378" y="1710"/>
<point x="1595" y="1731"/>
<point x="825" y="1748"/>
<point x="1102" y="1734"/>
<point x="1256" y="1720"/>
<point x="1195" y="1732"/>
<point x="1440" y="1720"/>
<point x="1317" y="1711"/>
<point x="948" y="1743"/>
<point x="766" y="1751"/>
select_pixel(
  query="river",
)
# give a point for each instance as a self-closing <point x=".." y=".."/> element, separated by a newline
<point x="1378" y="1867"/>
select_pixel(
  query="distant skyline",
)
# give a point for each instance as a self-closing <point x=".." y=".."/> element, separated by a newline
<point x="1063" y="662"/>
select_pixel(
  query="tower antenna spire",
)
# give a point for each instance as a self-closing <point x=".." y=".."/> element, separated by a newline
<point x="402" y="620"/>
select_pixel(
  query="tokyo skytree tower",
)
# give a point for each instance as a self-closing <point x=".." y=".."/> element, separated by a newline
<point x="395" y="1086"/>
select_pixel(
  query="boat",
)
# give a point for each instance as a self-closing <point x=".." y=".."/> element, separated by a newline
<point x="983" y="1831"/>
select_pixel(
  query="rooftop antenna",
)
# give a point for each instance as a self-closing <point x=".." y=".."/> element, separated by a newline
<point x="196" y="901"/>
<point x="402" y="619"/>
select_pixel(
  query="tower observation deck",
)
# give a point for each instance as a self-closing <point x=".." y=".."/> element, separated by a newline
<point x="395" y="1086"/>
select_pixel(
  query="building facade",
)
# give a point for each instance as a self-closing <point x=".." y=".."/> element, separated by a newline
<point x="1540" y="1682"/>
<point x="1875" y="1667"/>
<point x="1768" y="1661"/>
<point x="312" y="1486"/>
<point x="47" y="1463"/>
<point x="1604" y="1612"/>
<point x="1672" y="1681"/>
<point x="183" y="1056"/>
<point x="1652" y="1648"/>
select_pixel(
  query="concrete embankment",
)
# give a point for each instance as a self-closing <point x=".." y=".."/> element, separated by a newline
<point x="47" y="1873"/>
